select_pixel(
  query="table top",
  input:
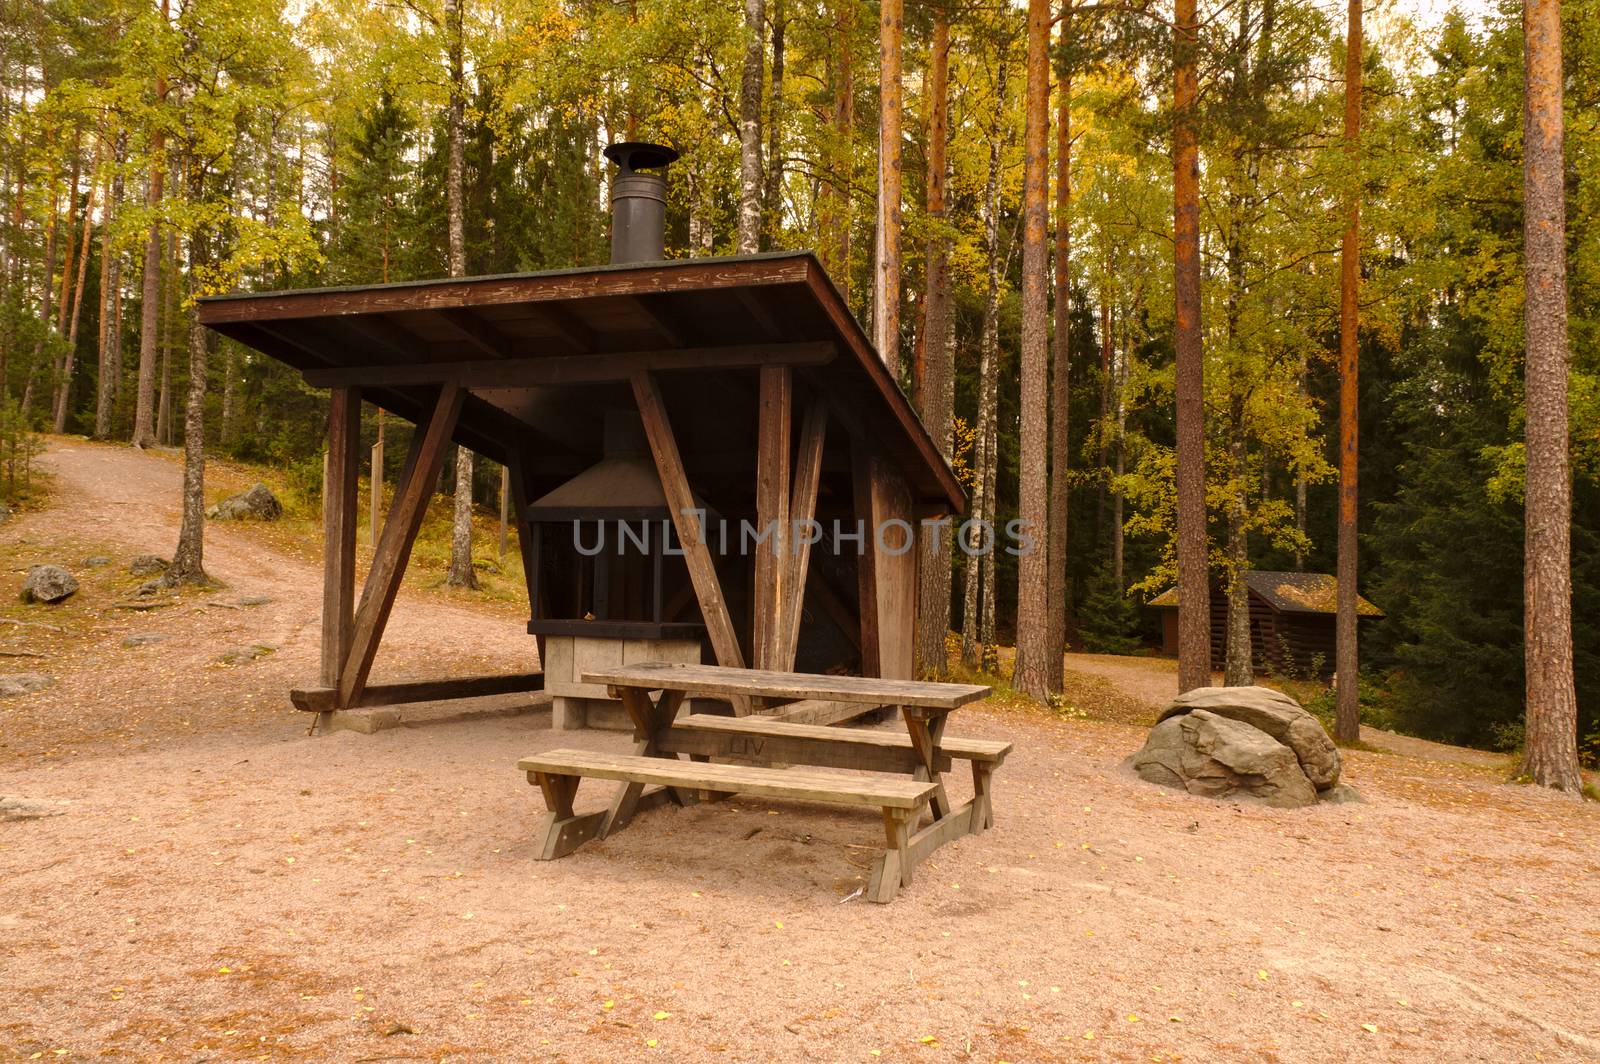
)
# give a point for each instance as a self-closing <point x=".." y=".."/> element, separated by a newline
<point x="720" y="680"/>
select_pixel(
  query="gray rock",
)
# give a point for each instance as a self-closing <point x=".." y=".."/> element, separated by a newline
<point x="96" y="561"/>
<point x="242" y="655"/>
<point x="1274" y="713"/>
<point x="13" y="808"/>
<point x="1340" y="794"/>
<point x="257" y="504"/>
<point x="23" y="683"/>
<point x="48" y="583"/>
<point x="147" y="565"/>
<point x="1217" y="757"/>
<point x="254" y="600"/>
<point x="143" y="639"/>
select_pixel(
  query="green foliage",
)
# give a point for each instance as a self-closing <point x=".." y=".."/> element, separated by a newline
<point x="1108" y="622"/>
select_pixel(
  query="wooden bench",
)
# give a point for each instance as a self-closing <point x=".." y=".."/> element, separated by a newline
<point x="761" y="738"/>
<point x="558" y="772"/>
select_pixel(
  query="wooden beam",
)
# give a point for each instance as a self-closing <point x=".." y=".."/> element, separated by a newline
<point x="772" y="513"/>
<point x="475" y="331"/>
<point x="669" y="330"/>
<point x="339" y="518"/>
<point x="568" y="327"/>
<point x="324" y="699"/>
<point x="688" y="275"/>
<point x="571" y="369"/>
<point x="802" y="507"/>
<point x="394" y="546"/>
<point x="866" y="557"/>
<point x="689" y="526"/>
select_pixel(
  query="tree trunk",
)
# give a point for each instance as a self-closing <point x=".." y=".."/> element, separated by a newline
<point x="1194" y="610"/>
<point x="150" y="298"/>
<point x="749" y="239"/>
<point x="460" y="574"/>
<point x="169" y="342"/>
<point x="109" y="385"/>
<point x="188" y="560"/>
<point x="886" y="262"/>
<point x="1061" y="365"/>
<point x="1347" y="664"/>
<point x="144" y="400"/>
<point x="1238" y="670"/>
<point x="1551" y="759"/>
<point x="973" y="637"/>
<point x="844" y="122"/>
<point x="1034" y="674"/>
<point x="1119" y="455"/>
<point x="772" y="193"/>
<point x="64" y="386"/>
<point x="937" y="387"/>
<point x="103" y="386"/>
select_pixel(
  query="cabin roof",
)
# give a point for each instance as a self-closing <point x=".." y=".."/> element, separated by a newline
<point x="1287" y="593"/>
<point x="706" y="315"/>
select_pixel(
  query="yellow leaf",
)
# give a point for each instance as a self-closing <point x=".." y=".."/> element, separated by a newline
<point x="1133" y="1017"/>
<point x="1370" y="1028"/>
<point x="1089" y="1035"/>
<point x="608" y="1004"/>
<point x="651" y="1042"/>
<point x="662" y="1016"/>
<point x="928" y="1040"/>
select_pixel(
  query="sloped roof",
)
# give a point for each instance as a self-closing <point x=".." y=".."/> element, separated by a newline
<point x="747" y="302"/>
<point x="1288" y="593"/>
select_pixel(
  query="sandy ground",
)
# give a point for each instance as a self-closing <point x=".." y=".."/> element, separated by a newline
<point x="230" y="889"/>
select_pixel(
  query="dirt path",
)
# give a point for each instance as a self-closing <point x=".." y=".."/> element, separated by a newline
<point x="229" y="889"/>
<point x="116" y="502"/>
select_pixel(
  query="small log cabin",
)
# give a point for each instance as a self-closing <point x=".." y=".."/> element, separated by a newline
<point x="663" y="404"/>
<point x="1291" y="622"/>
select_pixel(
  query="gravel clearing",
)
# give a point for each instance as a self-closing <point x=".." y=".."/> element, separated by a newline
<point x="220" y="886"/>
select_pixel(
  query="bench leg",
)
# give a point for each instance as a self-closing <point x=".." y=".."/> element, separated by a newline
<point x="893" y="869"/>
<point x="562" y="832"/>
<point x="925" y="735"/>
<point x="982" y="806"/>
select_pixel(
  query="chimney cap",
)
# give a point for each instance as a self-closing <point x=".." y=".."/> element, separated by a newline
<point x="632" y="155"/>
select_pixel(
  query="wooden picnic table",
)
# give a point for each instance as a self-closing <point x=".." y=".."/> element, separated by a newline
<point x="654" y="692"/>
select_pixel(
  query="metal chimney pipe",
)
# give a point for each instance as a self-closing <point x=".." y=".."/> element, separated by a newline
<point x="639" y="202"/>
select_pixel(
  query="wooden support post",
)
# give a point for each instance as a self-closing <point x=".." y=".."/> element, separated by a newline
<point x="867" y="557"/>
<point x="688" y="523"/>
<point x="423" y="463"/>
<point x="888" y="587"/>
<point x="769" y="591"/>
<point x="340" y="471"/>
<point x="802" y="509"/>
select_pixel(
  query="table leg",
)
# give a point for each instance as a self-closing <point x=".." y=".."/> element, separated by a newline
<point x="648" y="718"/>
<point x="926" y="734"/>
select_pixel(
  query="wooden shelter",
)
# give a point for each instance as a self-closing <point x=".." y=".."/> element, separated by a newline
<point x="744" y="385"/>
<point x="1291" y="621"/>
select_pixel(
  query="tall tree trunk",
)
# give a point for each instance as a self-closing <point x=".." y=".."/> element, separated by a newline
<point x="886" y="261"/>
<point x="772" y="193"/>
<point x="1551" y="759"/>
<point x="1034" y="674"/>
<point x="1347" y="663"/>
<point x="978" y="564"/>
<point x="64" y="386"/>
<point x="1238" y="670"/>
<point x="1119" y="453"/>
<point x="1061" y="364"/>
<point x="144" y="400"/>
<point x="169" y="341"/>
<point x="1300" y="486"/>
<point x="103" y="383"/>
<point x="937" y="387"/>
<point x="109" y="384"/>
<point x="749" y="239"/>
<point x="1194" y="607"/>
<point x="46" y="305"/>
<point x="460" y="574"/>
<point x="988" y="624"/>
<point x="844" y="122"/>
<point x="1103" y="451"/>
<point x="188" y="560"/>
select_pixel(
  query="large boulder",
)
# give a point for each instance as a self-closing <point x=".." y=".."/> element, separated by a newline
<point x="257" y="504"/>
<point x="1274" y="713"/>
<point x="48" y="583"/>
<point x="1217" y="757"/>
